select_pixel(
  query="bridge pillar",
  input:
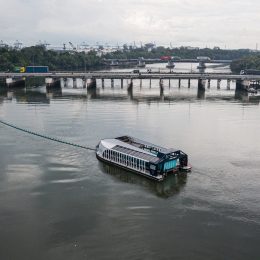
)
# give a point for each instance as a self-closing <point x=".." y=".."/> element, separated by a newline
<point x="228" y="84"/>
<point x="65" y="82"/>
<point x="188" y="83"/>
<point x="170" y="65"/>
<point x="141" y="83"/>
<point x="103" y="83"/>
<point x="130" y="85"/>
<point x="84" y="82"/>
<point x="208" y="83"/>
<point x="242" y="85"/>
<point x="130" y="89"/>
<point x="52" y="83"/>
<point x="179" y="83"/>
<point x="150" y="83"/>
<point x="257" y="84"/>
<point x="92" y="84"/>
<point x="201" y="65"/>
<point x="112" y="83"/>
<point x="122" y="83"/>
<point x="201" y="93"/>
<point x="169" y="83"/>
<point x="141" y="62"/>
<point x="15" y="83"/>
<point x="161" y="85"/>
<point x="74" y="83"/>
<point x="218" y="83"/>
<point x="162" y="95"/>
<point x="201" y="84"/>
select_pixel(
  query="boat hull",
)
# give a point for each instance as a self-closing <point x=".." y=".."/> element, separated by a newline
<point x="129" y="169"/>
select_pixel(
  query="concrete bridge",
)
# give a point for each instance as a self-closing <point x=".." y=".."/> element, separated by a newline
<point x="243" y="82"/>
<point x="142" y="61"/>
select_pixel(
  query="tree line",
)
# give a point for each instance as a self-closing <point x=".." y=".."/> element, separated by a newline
<point x="39" y="56"/>
<point x="79" y="61"/>
<point x="182" y="52"/>
<point x="249" y="62"/>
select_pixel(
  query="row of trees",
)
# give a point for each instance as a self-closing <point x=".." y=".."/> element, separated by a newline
<point x="182" y="52"/>
<point x="38" y="56"/>
<point x="57" y="61"/>
<point x="249" y="62"/>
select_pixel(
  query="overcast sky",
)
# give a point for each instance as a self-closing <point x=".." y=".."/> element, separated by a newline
<point x="230" y="23"/>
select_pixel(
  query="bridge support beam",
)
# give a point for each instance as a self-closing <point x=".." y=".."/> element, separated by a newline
<point x="161" y="95"/>
<point x="218" y="83"/>
<point x="201" y="84"/>
<point x="228" y="84"/>
<point x="112" y="83"/>
<point x="208" y="83"/>
<point x="170" y="65"/>
<point x="242" y="85"/>
<point x="74" y="83"/>
<point x="141" y="63"/>
<point x="201" y="93"/>
<point x="150" y="83"/>
<point x="179" y="83"/>
<point x="141" y="83"/>
<point x="201" y="65"/>
<point x="122" y="83"/>
<point x="130" y="85"/>
<point x="169" y="83"/>
<point x="161" y="85"/>
<point x="15" y="83"/>
<point x="92" y="84"/>
<point x="65" y="82"/>
<point x="188" y="83"/>
<point x="84" y="82"/>
<point x="102" y="83"/>
<point x="52" y="82"/>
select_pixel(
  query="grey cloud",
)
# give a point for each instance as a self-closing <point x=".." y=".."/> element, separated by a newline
<point x="201" y="22"/>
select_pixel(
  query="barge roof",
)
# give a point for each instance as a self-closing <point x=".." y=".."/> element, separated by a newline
<point x="137" y="148"/>
<point x="111" y="143"/>
<point x="140" y="143"/>
<point x="126" y="148"/>
<point x="141" y="155"/>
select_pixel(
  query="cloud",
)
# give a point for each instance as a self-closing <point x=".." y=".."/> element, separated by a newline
<point x="201" y="22"/>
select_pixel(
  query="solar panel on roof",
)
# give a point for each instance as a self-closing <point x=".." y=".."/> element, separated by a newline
<point x="137" y="154"/>
<point x="137" y="143"/>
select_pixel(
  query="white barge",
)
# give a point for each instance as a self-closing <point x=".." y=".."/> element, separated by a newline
<point x="141" y="157"/>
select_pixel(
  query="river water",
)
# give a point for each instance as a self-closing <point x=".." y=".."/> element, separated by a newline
<point x="59" y="202"/>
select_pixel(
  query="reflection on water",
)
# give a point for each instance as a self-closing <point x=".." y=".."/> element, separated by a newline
<point x="201" y="94"/>
<point x="59" y="202"/>
<point x="172" y="185"/>
<point x="40" y="95"/>
<point x="53" y="93"/>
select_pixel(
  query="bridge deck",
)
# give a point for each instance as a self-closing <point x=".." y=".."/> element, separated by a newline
<point x="165" y="61"/>
<point x="129" y="75"/>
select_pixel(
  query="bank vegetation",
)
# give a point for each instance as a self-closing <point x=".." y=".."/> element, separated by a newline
<point x="11" y="58"/>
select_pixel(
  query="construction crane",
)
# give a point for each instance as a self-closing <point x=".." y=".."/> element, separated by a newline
<point x="72" y="46"/>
